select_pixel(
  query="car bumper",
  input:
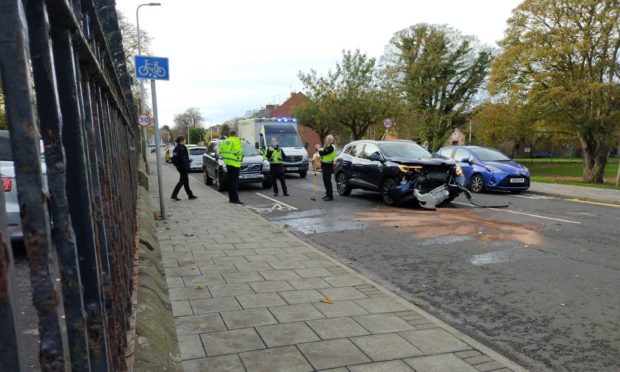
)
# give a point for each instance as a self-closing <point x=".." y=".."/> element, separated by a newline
<point x="13" y="226"/>
<point x="503" y="181"/>
<point x="196" y="166"/>
<point x="430" y="200"/>
<point x="249" y="177"/>
<point x="295" y="167"/>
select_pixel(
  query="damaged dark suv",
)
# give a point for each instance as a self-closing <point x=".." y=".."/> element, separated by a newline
<point x="401" y="171"/>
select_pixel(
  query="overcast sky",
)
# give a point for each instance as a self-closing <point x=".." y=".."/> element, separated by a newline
<point x="228" y="57"/>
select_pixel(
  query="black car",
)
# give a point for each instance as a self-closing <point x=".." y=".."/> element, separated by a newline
<point x="254" y="169"/>
<point x="400" y="170"/>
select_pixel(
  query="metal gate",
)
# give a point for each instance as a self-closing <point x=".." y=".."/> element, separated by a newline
<point x="65" y="81"/>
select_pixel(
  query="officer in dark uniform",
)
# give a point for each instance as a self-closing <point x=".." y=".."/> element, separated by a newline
<point x="180" y="159"/>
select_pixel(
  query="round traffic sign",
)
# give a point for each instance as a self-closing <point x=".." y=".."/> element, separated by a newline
<point x="387" y="123"/>
<point x="144" y="119"/>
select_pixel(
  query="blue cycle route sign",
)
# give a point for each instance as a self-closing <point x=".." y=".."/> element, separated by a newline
<point x="154" y="68"/>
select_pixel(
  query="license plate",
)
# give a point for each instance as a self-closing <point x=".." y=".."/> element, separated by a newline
<point x="517" y="180"/>
<point x="292" y="168"/>
<point x="250" y="175"/>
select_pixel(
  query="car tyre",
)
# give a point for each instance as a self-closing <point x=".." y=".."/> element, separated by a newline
<point x="389" y="184"/>
<point x="219" y="183"/>
<point x="208" y="180"/>
<point x="341" y="184"/>
<point x="303" y="174"/>
<point x="476" y="184"/>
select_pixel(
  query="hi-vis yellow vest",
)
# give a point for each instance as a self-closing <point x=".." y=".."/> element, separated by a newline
<point x="231" y="151"/>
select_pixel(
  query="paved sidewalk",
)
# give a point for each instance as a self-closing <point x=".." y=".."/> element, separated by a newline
<point x="247" y="296"/>
<point x="593" y="194"/>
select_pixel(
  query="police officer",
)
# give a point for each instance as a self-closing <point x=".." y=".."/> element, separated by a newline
<point x="327" y="155"/>
<point x="231" y="151"/>
<point x="275" y="154"/>
<point x="180" y="159"/>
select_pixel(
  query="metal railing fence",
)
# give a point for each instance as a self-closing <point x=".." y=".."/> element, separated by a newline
<point x="64" y="79"/>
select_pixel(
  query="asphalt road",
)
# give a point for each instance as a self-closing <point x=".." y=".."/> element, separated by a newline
<point x="537" y="281"/>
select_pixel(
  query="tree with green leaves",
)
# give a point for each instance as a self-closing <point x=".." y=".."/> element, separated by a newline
<point x="439" y="73"/>
<point x="561" y="58"/>
<point x="350" y="97"/>
<point x="196" y="135"/>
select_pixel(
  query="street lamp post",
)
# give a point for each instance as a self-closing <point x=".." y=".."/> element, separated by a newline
<point x="144" y="134"/>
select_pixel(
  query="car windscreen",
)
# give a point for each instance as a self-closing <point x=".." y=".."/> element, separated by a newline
<point x="489" y="155"/>
<point x="404" y="150"/>
<point x="197" y="151"/>
<point x="249" y="150"/>
<point x="5" y="146"/>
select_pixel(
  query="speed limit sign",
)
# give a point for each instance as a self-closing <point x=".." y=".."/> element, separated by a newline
<point x="387" y="123"/>
<point x="144" y="120"/>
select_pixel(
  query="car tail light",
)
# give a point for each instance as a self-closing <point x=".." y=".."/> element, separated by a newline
<point x="7" y="184"/>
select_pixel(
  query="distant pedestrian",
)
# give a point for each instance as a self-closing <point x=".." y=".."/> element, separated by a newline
<point x="231" y="151"/>
<point x="426" y="146"/>
<point x="274" y="153"/>
<point x="327" y="155"/>
<point x="180" y="159"/>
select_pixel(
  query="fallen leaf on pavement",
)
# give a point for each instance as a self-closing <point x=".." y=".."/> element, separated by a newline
<point x="326" y="300"/>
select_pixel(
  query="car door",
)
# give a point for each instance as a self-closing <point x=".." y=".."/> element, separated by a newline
<point x="468" y="168"/>
<point x="356" y="164"/>
<point x="211" y="159"/>
<point x="344" y="161"/>
<point x="371" y="169"/>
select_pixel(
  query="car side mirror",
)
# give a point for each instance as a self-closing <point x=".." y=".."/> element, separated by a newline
<point x="466" y="160"/>
<point x="375" y="157"/>
<point x="306" y="144"/>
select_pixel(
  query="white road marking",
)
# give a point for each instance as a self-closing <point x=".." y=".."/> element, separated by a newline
<point x="595" y="203"/>
<point x="277" y="201"/>
<point x="521" y="213"/>
<point x="275" y="207"/>
<point x="534" y="197"/>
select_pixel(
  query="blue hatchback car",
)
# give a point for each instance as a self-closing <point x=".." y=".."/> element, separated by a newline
<point x="488" y="169"/>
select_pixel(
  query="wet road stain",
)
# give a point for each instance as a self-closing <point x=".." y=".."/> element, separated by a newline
<point x="448" y="224"/>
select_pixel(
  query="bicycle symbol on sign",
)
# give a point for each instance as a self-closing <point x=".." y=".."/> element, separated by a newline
<point x="152" y="69"/>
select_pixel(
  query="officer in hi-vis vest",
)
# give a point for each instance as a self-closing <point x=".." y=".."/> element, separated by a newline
<point x="327" y="155"/>
<point x="275" y="154"/>
<point x="231" y="152"/>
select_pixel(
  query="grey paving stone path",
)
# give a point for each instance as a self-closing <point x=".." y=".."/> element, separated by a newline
<point x="246" y="296"/>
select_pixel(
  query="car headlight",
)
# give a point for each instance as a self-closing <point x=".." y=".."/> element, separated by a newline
<point x="527" y="171"/>
<point x="493" y="170"/>
<point x="408" y="168"/>
<point x="266" y="165"/>
<point x="458" y="171"/>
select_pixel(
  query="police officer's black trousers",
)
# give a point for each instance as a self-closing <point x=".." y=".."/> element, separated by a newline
<point x="233" y="184"/>
<point x="277" y="173"/>
<point x="183" y="182"/>
<point x="327" y="169"/>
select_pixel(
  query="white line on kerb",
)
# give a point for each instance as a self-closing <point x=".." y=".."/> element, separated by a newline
<point x="523" y="214"/>
<point x="277" y="201"/>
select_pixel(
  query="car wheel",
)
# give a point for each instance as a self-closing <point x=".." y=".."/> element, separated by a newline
<point x="341" y="184"/>
<point x="303" y="174"/>
<point x="476" y="184"/>
<point x="219" y="183"/>
<point x="389" y="184"/>
<point x="267" y="184"/>
<point x="208" y="180"/>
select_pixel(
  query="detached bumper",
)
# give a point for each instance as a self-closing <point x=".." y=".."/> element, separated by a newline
<point x="430" y="200"/>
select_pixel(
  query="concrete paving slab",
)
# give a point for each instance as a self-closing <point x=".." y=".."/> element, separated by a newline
<point x="286" y="334"/>
<point x="247" y="318"/>
<point x="392" y="366"/>
<point x="271" y="286"/>
<point x="295" y="313"/>
<point x="383" y="323"/>
<point x="386" y="347"/>
<point x="192" y="325"/>
<point x="191" y="347"/>
<point x="229" y="342"/>
<point x="337" y="328"/>
<point x="435" y="341"/>
<point x="214" y="305"/>
<point x="228" y="290"/>
<point x="340" y="308"/>
<point x="278" y="359"/>
<point x="333" y="353"/>
<point x="439" y="363"/>
<point x="251" y="301"/>
<point x="301" y="296"/>
<point x="227" y="363"/>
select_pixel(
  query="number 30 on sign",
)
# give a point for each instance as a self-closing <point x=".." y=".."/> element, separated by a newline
<point x="144" y="120"/>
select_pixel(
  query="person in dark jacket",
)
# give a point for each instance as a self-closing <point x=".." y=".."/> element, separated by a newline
<point x="327" y="155"/>
<point x="180" y="159"/>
